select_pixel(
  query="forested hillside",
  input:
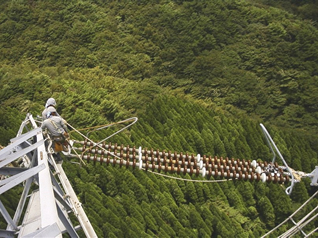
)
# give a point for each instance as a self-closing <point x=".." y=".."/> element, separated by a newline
<point x="199" y="75"/>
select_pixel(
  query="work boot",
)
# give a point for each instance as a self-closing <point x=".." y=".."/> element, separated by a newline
<point x="57" y="157"/>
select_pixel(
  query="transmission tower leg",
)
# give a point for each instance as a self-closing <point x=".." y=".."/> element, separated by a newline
<point x="78" y="209"/>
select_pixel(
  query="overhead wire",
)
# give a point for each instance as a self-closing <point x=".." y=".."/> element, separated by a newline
<point x="291" y="216"/>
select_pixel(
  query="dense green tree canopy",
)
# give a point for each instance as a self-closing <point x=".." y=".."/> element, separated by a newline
<point x="199" y="75"/>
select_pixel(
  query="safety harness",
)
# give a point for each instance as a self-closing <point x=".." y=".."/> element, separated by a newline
<point x="60" y="142"/>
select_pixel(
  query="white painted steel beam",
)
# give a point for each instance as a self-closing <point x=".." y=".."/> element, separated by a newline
<point x="49" y="215"/>
<point x="79" y="211"/>
<point x="12" y="181"/>
<point x="48" y="207"/>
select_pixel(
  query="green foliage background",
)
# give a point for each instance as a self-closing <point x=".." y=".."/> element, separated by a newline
<point x="199" y="75"/>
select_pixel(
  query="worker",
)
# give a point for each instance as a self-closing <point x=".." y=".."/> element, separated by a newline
<point x="49" y="103"/>
<point x="57" y="130"/>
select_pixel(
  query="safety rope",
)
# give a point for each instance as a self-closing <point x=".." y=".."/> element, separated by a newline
<point x="77" y="155"/>
<point x="134" y="119"/>
<point x="101" y="126"/>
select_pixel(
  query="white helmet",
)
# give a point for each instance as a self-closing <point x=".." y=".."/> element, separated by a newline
<point x="50" y="102"/>
<point x="50" y="110"/>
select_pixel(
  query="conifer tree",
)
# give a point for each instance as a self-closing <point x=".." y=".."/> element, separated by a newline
<point x="200" y="192"/>
<point x="242" y="148"/>
<point x="229" y="148"/>
<point x="190" y="192"/>
<point x="206" y="192"/>
<point x="207" y="136"/>
<point x="110" y="231"/>
<point x="199" y="143"/>
<point x="216" y="191"/>
<point x="299" y="193"/>
<point x="218" y="146"/>
<point x="246" y="190"/>
<point x="150" y="225"/>
<point x="280" y="202"/>
<point x="176" y="193"/>
<point x="266" y="211"/>
<point x="135" y="227"/>
<point x="235" y="200"/>
<point x="114" y="206"/>
<point x="197" y="222"/>
<point x="260" y="189"/>
<point x="174" y="141"/>
<point x="183" y="215"/>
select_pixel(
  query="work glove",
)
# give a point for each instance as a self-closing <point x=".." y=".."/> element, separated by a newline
<point x="66" y="135"/>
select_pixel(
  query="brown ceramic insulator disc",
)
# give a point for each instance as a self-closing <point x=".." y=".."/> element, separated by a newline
<point x="209" y="173"/>
<point x="252" y="176"/>
<point x="275" y="178"/>
<point x="191" y="170"/>
<point x="222" y="173"/>
<point x="246" y="176"/>
<point x="240" y="175"/>
<point x="215" y="173"/>
<point x="228" y="174"/>
<point x="197" y="171"/>
<point x="178" y="169"/>
<point x="185" y="169"/>
<point x="134" y="162"/>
